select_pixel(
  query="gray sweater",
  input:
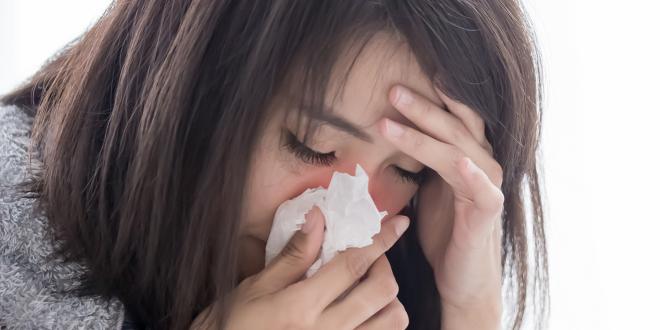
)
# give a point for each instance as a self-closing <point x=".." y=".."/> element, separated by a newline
<point x="28" y="280"/>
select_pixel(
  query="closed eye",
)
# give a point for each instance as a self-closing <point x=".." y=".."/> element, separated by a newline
<point x="313" y="157"/>
<point x="417" y="178"/>
<point x="306" y="154"/>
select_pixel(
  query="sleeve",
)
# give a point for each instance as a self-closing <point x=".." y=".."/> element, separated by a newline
<point x="32" y="283"/>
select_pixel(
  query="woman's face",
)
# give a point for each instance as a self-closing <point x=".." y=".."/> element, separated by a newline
<point x="279" y="174"/>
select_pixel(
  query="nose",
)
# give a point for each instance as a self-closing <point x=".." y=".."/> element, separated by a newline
<point x="372" y="173"/>
<point x="371" y="170"/>
<point x="386" y="193"/>
<point x="375" y="190"/>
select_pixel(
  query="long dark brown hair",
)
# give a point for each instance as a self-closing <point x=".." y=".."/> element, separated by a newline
<point x="144" y="124"/>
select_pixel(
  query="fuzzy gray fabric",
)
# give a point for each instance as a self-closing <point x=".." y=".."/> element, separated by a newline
<point x="28" y="280"/>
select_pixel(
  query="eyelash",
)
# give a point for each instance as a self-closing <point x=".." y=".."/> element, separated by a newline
<point x="415" y="178"/>
<point x="306" y="154"/>
<point x="312" y="157"/>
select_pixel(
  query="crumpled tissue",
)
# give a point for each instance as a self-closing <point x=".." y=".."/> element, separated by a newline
<point x="351" y="217"/>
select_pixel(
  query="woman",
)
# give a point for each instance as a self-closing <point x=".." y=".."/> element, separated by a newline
<point x="166" y="136"/>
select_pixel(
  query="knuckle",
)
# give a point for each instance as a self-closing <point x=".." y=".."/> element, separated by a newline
<point x="357" y="264"/>
<point x="499" y="198"/>
<point x="300" y="320"/>
<point x="251" y="282"/>
<point x="497" y="173"/>
<point x="481" y="125"/>
<point x="426" y="111"/>
<point x="249" y="289"/>
<point x="365" y="305"/>
<point x="455" y="154"/>
<point x="306" y="320"/>
<point x="389" y="287"/>
<point x="498" y="179"/>
<point x="304" y="299"/>
<point x="459" y="134"/>
<point x="399" y="316"/>
<point x="416" y="140"/>
<point x="384" y="241"/>
<point x="497" y="201"/>
<point x="293" y="253"/>
<point x="486" y="145"/>
<point x="296" y="314"/>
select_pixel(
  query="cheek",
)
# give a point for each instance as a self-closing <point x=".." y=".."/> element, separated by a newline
<point x="387" y="190"/>
<point x="390" y="194"/>
<point x="273" y="185"/>
<point x="270" y="187"/>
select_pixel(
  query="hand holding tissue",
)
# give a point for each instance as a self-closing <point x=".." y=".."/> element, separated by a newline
<point x="351" y="217"/>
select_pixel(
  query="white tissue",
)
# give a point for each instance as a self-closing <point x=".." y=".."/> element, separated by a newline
<point x="351" y="217"/>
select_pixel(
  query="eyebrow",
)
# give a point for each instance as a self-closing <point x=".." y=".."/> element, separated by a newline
<point x="340" y="123"/>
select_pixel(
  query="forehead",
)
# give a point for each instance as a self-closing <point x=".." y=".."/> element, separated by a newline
<point x="384" y="62"/>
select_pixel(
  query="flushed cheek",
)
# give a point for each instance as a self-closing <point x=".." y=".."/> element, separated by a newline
<point x="391" y="197"/>
<point x="309" y="179"/>
<point x="388" y="192"/>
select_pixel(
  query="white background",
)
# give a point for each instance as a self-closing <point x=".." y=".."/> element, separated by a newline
<point x="600" y="143"/>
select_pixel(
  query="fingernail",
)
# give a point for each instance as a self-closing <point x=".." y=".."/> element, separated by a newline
<point x="401" y="226"/>
<point x="310" y="221"/>
<point x="393" y="129"/>
<point x="403" y="96"/>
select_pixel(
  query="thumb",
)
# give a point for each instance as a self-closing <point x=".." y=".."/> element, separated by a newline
<point x="481" y="218"/>
<point x="297" y="256"/>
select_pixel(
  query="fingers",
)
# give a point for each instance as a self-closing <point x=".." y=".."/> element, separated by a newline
<point x="459" y="126"/>
<point x="471" y="268"/>
<point x="468" y="116"/>
<point x="393" y="316"/>
<point x="297" y="256"/>
<point x="435" y="121"/>
<point x="440" y="156"/>
<point x="331" y="280"/>
<point x="378" y="289"/>
<point x="487" y="198"/>
<point x="488" y="202"/>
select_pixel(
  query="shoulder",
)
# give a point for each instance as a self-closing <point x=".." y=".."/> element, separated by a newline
<point x="15" y="128"/>
<point x="33" y="285"/>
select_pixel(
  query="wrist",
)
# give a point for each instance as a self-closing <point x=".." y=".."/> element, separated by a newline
<point x="483" y="316"/>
